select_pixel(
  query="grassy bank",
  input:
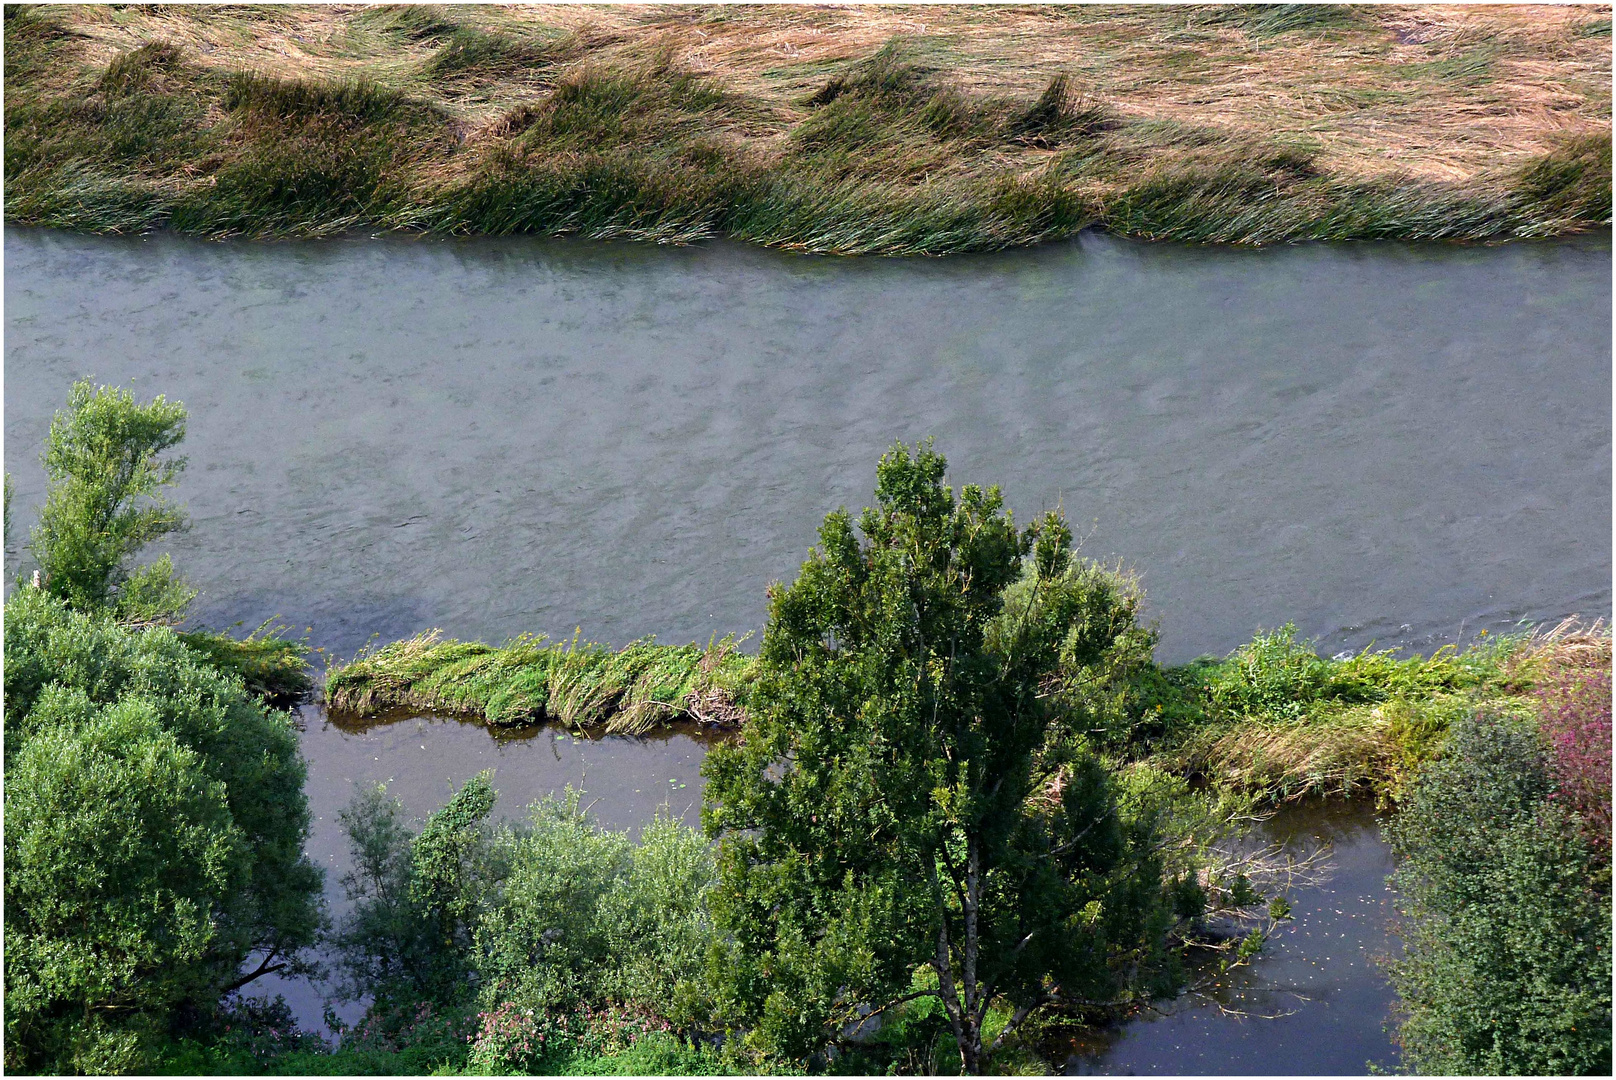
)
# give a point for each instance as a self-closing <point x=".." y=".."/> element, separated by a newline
<point x="1275" y="717"/>
<point x="1272" y="717"/>
<point x="846" y="130"/>
<point x="528" y="681"/>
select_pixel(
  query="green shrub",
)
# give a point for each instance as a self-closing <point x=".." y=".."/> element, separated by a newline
<point x="1507" y="964"/>
<point x="104" y="502"/>
<point x="587" y="916"/>
<point x="571" y="937"/>
<point x="155" y="820"/>
<point x="416" y="898"/>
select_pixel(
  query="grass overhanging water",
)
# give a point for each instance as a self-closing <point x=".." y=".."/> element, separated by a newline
<point x="1272" y="718"/>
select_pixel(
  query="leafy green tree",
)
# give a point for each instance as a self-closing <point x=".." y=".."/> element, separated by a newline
<point x="912" y="809"/>
<point x="154" y="829"/>
<point x="587" y="916"/>
<point x="104" y="461"/>
<point x="1507" y="965"/>
<point x="416" y="897"/>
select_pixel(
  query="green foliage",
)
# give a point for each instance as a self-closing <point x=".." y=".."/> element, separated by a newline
<point x="587" y="916"/>
<point x="415" y="899"/>
<point x="271" y="666"/>
<point x="1507" y="964"/>
<point x="904" y="794"/>
<point x="104" y="461"/>
<point x="154" y="828"/>
<point x="574" y="940"/>
<point x="1277" y="718"/>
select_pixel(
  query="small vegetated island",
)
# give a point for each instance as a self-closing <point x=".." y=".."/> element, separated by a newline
<point x="914" y="130"/>
<point x="959" y="812"/>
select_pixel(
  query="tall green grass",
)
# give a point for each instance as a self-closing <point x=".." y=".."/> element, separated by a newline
<point x="578" y="684"/>
<point x="1276" y="718"/>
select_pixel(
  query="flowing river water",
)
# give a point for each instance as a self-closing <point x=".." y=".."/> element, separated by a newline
<point x="1388" y="444"/>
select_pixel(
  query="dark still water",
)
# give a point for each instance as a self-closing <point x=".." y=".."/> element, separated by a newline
<point x="1315" y="1001"/>
<point x="1379" y="442"/>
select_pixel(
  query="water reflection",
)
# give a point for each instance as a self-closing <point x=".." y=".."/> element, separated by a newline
<point x="1315" y="1001"/>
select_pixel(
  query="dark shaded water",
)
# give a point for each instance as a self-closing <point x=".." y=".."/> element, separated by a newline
<point x="1315" y="1001"/>
<point x="1383" y="443"/>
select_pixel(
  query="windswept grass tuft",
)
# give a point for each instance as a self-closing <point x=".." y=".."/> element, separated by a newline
<point x="1569" y="184"/>
<point x="578" y="684"/>
<point x="471" y="53"/>
<point x="674" y="125"/>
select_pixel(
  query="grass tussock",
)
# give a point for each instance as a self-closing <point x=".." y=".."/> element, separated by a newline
<point x="1276" y="718"/>
<point x="854" y="131"/>
<point x="272" y="666"/>
<point x="527" y="681"/>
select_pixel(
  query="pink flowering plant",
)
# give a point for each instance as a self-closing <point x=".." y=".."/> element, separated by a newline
<point x="516" y="1039"/>
<point x="1574" y="713"/>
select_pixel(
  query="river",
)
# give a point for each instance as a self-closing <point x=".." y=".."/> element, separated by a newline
<point x="1388" y="444"/>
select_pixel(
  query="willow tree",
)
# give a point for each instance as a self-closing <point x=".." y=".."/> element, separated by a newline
<point x="105" y="461"/>
<point x="910" y="812"/>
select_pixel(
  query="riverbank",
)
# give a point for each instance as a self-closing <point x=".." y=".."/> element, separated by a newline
<point x="892" y="131"/>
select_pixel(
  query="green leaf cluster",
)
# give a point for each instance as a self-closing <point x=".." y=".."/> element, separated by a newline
<point x="104" y="461"/>
<point x="1507" y="964"/>
<point x="545" y="918"/>
<point x="155" y="820"/>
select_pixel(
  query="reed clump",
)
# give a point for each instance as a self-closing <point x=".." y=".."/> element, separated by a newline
<point x="529" y="680"/>
<point x="821" y="131"/>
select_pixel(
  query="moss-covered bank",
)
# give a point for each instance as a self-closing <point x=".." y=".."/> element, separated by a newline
<point x="845" y="130"/>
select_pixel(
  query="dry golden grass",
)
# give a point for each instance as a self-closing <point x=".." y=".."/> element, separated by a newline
<point x="1368" y="94"/>
<point x="672" y="123"/>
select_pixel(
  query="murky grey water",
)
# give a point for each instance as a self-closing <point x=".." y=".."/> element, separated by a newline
<point x="1314" y="1002"/>
<point x="1382" y="443"/>
<point x="497" y="436"/>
